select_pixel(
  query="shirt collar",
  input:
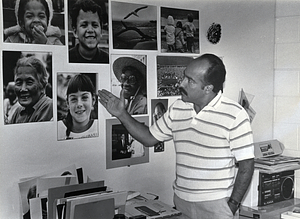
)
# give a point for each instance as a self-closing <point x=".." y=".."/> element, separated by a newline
<point x="216" y="101"/>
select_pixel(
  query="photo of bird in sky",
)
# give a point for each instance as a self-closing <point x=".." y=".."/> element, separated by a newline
<point x="135" y="12"/>
<point x="134" y="26"/>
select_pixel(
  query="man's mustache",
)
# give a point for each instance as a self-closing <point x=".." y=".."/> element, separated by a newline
<point x="182" y="91"/>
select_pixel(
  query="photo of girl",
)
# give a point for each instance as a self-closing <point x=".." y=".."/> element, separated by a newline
<point x="33" y="19"/>
<point x="81" y="119"/>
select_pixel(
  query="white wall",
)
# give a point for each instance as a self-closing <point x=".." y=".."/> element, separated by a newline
<point x="247" y="46"/>
<point x="287" y="79"/>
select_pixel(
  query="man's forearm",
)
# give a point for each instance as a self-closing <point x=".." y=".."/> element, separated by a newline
<point x="243" y="179"/>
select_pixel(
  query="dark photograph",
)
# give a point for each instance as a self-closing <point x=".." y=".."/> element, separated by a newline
<point x="158" y="109"/>
<point x="170" y="73"/>
<point x="124" y="145"/>
<point x="77" y="106"/>
<point x="121" y="148"/>
<point x="134" y="26"/>
<point x="129" y="73"/>
<point x="179" y="31"/>
<point x="88" y="31"/>
<point x="35" y="22"/>
<point x="27" y="84"/>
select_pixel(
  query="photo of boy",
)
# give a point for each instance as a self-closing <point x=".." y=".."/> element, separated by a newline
<point x="33" y="19"/>
<point x="87" y="26"/>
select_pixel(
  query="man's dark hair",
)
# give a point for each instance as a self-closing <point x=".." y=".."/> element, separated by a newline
<point x="85" y="5"/>
<point x="216" y="73"/>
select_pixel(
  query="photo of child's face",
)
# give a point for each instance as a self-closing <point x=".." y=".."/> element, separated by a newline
<point x="88" y="29"/>
<point x="27" y="87"/>
<point x="80" y="105"/>
<point x="35" y="18"/>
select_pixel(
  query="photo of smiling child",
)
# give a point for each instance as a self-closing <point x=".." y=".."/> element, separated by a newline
<point x="90" y="41"/>
<point x="81" y="118"/>
<point x="34" y="26"/>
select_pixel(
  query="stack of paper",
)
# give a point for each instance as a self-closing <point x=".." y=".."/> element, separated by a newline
<point x="48" y="195"/>
<point x="277" y="163"/>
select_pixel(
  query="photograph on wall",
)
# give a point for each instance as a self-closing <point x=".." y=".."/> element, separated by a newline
<point x="27" y="84"/>
<point x="158" y="109"/>
<point x="77" y="106"/>
<point x="179" y="30"/>
<point x="169" y="74"/>
<point x="121" y="148"/>
<point x="88" y="38"/>
<point x="129" y="73"/>
<point x="134" y="26"/>
<point x="35" y="22"/>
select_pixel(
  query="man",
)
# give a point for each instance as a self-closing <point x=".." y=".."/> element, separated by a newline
<point x="86" y="18"/>
<point x="210" y="133"/>
<point x="120" y="150"/>
<point x="131" y="73"/>
<point x="10" y="103"/>
<point x="31" y="79"/>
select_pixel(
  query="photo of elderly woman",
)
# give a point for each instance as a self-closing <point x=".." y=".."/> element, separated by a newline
<point x="77" y="106"/>
<point x="28" y="84"/>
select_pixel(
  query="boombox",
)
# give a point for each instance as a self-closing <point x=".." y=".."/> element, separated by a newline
<point x="267" y="188"/>
<point x="275" y="187"/>
<point x="270" y="185"/>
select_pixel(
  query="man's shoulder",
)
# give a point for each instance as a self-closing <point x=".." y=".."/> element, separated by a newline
<point x="179" y="106"/>
<point x="229" y="102"/>
<point x="230" y="106"/>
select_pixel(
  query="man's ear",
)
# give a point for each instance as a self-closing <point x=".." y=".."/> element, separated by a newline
<point x="209" y="88"/>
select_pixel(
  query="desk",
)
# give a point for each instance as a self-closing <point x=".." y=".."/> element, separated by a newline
<point x="272" y="211"/>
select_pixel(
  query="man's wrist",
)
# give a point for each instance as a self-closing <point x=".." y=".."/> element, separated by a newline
<point x="234" y="202"/>
<point x="233" y="205"/>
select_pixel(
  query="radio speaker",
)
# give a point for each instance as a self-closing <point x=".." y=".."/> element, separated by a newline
<point x="275" y="187"/>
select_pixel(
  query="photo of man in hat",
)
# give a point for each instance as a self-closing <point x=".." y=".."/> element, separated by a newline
<point x="131" y="73"/>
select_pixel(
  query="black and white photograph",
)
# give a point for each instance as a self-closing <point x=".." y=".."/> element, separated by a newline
<point x="134" y="26"/>
<point x="27" y="82"/>
<point x="158" y="109"/>
<point x="170" y="73"/>
<point x="45" y="25"/>
<point x="121" y="148"/>
<point x="88" y="31"/>
<point x="179" y="30"/>
<point x="129" y="73"/>
<point x="77" y="106"/>
<point x="165" y="101"/>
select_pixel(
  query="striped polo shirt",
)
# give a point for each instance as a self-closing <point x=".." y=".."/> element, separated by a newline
<point x="207" y="145"/>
